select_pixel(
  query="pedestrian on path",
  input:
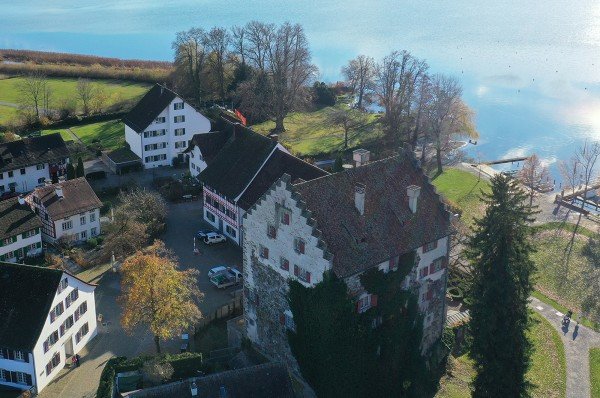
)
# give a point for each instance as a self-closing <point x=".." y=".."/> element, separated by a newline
<point x="77" y="358"/>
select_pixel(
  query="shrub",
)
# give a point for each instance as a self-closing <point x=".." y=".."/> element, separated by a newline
<point x="323" y="95"/>
<point x="92" y="243"/>
<point x="155" y="372"/>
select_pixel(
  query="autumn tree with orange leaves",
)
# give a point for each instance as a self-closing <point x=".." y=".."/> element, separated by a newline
<point x="157" y="295"/>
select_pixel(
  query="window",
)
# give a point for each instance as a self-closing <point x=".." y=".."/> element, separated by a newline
<point x="287" y="319"/>
<point x="41" y="180"/>
<point x="82" y="332"/>
<point x="1" y="176"/>
<point x="94" y="231"/>
<point x="40" y="166"/>
<point x="365" y="302"/>
<point x="437" y="265"/>
<point x="8" y="241"/>
<point x="424" y="272"/>
<point x="209" y="216"/>
<point x="285" y="217"/>
<point x="51" y="340"/>
<point x="154" y="133"/>
<point x="264" y="252"/>
<point x="156" y="158"/>
<point x="230" y="231"/>
<point x="299" y="245"/>
<point x="82" y="220"/>
<point x="54" y="362"/>
<point x="272" y="232"/>
<point x="19" y="356"/>
<point x="92" y="217"/>
<point x="153" y="147"/>
<point x="66" y="325"/>
<point x="178" y="106"/>
<point x="74" y="294"/>
<point x="83" y="235"/>
<point x="22" y="171"/>
<point x="21" y="377"/>
<point x="180" y="144"/>
<point x="302" y="274"/>
<point x="284" y="264"/>
<point x="82" y="309"/>
<point x="67" y="225"/>
<point x="179" y="132"/>
<point x="429" y="246"/>
<point x="160" y="119"/>
<point x="57" y="311"/>
<point x="10" y="174"/>
<point x="3" y="375"/>
<point x="179" y="119"/>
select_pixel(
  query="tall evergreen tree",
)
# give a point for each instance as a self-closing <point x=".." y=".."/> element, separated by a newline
<point x="502" y="282"/>
<point x="80" y="171"/>
<point x="71" y="172"/>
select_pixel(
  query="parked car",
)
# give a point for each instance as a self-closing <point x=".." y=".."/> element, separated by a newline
<point x="201" y="234"/>
<point x="232" y="276"/>
<point x="217" y="270"/>
<point x="212" y="237"/>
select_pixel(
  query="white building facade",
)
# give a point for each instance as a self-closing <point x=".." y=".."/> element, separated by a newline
<point x="167" y="133"/>
<point x="20" y="231"/>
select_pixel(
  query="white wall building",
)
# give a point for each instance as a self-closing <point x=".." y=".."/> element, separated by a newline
<point x="161" y="126"/>
<point x="383" y="215"/>
<point x="52" y="317"/>
<point x="31" y="162"/>
<point x="69" y="209"/>
<point x="20" y="231"/>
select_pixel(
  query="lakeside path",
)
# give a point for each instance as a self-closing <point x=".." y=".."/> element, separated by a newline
<point x="577" y="340"/>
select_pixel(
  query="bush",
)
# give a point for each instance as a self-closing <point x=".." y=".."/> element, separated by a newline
<point x="323" y="95"/>
<point x="92" y="243"/>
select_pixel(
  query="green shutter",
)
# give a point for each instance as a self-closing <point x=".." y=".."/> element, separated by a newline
<point x="2" y="257"/>
<point x="23" y="235"/>
<point x="37" y="230"/>
<point x="14" y="238"/>
<point x="38" y="245"/>
<point x="25" y="251"/>
<point x="1" y="242"/>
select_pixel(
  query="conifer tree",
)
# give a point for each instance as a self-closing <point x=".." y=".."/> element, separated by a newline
<point x="71" y="172"/>
<point x="80" y="171"/>
<point x="499" y="252"/>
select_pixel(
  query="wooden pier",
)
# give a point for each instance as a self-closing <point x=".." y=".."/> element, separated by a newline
<point x="502" y="161"/>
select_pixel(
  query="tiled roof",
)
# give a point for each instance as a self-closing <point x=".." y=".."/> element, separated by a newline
<point x="388" y="227"/>
<point x="78" y="197"/>
<point x="27" y="294"/>
<point x="279" y="163"/>
<point x="33" y="150"/>
<point x="123" y="155"/>
<point x="236" y="164"/>
<point x="149" y="107"/>
<point x="16" y="218"/>
<point x="210" y="144"/>
<point x="261" y="381"/>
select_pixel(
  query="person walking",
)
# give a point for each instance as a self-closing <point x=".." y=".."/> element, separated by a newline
<point x="77" y="359"/>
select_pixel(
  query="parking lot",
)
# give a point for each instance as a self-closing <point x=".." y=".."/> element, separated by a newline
<point x="184" y="220"/>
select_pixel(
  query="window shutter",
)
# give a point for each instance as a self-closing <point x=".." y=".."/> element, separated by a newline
<point x="429" y="294"/>
<point x="46" y="346"/>
<point x="52" y="316"/>
<point x="23" y="235"/>
<point x="26" y="356"/>
<point x="391" y="264"/>
<point x="431" y="268"/>
<point x="444" y="262"/>
<point x="286" y="218"/>
<point x="296" y="270"/>
<point x="266" y="252"/>
<point x="358" y="307"/>
<point x="301" y="246"/>
<point x="28" y="379"/>
<point x="13" y="377"/>
<point x="282" y="318"/>
<point x="425" y="271"/>
<point x="373" y="300"/>
<point x="11" y="354"/>
<point x="308" y="277"/>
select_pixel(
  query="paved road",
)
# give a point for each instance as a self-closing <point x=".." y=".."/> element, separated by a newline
<point x="577" y="340"/>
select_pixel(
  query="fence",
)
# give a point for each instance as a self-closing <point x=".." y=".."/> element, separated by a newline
<point x="233" y="307"/>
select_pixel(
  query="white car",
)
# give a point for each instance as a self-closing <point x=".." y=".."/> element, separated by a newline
<point x="217" y="270"/>
<point x="213" y="237"/>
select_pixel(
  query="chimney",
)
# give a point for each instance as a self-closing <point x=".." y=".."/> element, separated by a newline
<point x="359" y="198"/>
<point x="21" y="200"/>
<point x="274" y="137"/>
<point x="361" y="157"/>
<point x="194" y="389"/>
<point x="59" y="192"/>
<point x="162" y="90"/>
<point x="413" y="192"/>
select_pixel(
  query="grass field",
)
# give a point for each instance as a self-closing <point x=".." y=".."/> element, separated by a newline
<point x="110" y="134"/>
<point x="547" y="372"/>
<point x="7" y="113"/>
<point x="310" y="133"/>
<point x="65" y="89"/>
<point x="595" y="371"/>
<point x="462" y="190"/>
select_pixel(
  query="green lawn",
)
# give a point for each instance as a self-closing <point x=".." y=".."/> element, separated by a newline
<point x="110" y="134"/>
<point x="462" y="190"/>
<point x="7" y="113"/>
<point x="595" y="371"/>
<point x="310" y="133"/>
<point x="65" y="89"/>
<point x="547" y="372"/>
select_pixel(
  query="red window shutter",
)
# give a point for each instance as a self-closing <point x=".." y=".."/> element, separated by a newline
<point x="429" y="294"/>
<point x="391" y="264"/>
<point x="308" y="277"/>
<point x="425" y="271"/>
<point x="431" y="268"/>
<point x="282" y="318"/>
<point x="286" y="218"/>
<point x="444" y="262"/>
<point x="434" y="245"/>
<point x="266" y="252"/>
<point x="296" y="270"/>
<point x="301" y="246"/>
<point x="373" y="300"/>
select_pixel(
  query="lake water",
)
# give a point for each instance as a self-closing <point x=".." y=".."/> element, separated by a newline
<point x="530" y="69"/>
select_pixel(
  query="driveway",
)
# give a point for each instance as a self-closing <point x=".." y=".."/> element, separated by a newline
<point x="184" y="220"/>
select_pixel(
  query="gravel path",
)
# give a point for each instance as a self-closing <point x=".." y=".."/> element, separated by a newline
<point x="577" y="340"/>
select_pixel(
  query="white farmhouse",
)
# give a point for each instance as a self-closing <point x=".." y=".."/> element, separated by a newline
<point x="69" y="210"/>
<point x="383" y="215"/>
<point x="31" y="162"/>
<point x="204" y="148"/>
<point x="160" y="127"/>
<point x="20" y="231"/>
<point x="48" y="316"/>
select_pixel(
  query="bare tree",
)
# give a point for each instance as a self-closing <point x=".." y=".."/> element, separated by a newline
<point x="533" y="175"/>
<point x="238" y="35"/>
<point x="569" y="171"/>
<point x="348" y="119"/>
<point x="360" y="72"/>
<point x="587" y="157"/>
<point x="447" y="115"/>
<point x="85" y="92"/>
<point x="218" y="40"/>
<point x="396" y="79"/>
<point x="35" y="93"/>
<point x="190" y="61"/>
